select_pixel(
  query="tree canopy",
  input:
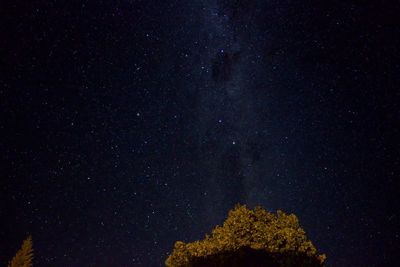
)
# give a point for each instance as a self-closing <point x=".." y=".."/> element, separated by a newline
<point x="250" y="238"/>
<point x="24" y="256"/>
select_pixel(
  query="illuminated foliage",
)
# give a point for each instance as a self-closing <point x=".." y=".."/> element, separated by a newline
<point x="250" y="238"/>
<point x="24" y="256"/>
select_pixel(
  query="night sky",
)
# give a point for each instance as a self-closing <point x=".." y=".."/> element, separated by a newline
<point x="128" y="125"/>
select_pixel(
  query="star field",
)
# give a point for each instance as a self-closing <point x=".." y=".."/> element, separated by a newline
<point x="128" y="125"/>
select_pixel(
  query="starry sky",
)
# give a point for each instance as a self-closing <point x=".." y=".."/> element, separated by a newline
<point x="128" y="125"/>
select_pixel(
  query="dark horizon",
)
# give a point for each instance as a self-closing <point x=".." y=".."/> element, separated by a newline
<point x="128" y="125"/>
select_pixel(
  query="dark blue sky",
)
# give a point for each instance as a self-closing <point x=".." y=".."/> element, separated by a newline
<point x="128" y="125"/>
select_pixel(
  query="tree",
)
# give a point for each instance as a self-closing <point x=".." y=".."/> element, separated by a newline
<point x="250" y="238"/>
<point x="24" y="256"/>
